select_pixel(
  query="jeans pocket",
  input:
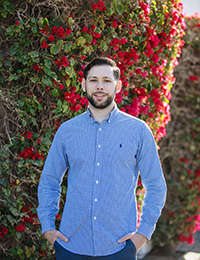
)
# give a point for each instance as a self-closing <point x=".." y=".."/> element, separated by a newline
<point x="57" y="247"/>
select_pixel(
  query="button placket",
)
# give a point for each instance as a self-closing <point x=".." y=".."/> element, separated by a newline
<point x="96" y="190"/>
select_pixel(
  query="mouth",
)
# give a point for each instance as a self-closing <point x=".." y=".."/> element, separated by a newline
<point x="99" y="95"/>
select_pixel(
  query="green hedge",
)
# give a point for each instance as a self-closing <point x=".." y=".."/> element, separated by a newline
<point x="180" y="149"/>
<point x="44" y="49"/>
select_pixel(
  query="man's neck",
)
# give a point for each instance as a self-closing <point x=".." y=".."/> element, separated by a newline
<point x="101" y="114"/>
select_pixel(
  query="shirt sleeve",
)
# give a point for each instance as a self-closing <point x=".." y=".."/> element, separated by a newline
<point x="49" y="189"/>
<point x="153" y="181"/>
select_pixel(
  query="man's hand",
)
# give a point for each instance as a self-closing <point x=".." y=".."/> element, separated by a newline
<point x="137" y="239"/>
<point x="52" y="235"/>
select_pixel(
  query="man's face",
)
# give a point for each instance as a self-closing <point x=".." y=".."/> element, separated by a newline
<point x="100" y="86"/>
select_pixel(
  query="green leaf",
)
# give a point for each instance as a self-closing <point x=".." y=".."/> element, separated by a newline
<point x="68" y="47"/>
<point x="72" y="62"/>
<point x="43" y="22"/>
<point x="46" y="141"/>
<point x="24" y="122"/>
<point x="47" y="81"/>
<point x="4" y="182"/>
<point x="47" y="63"/>
<point x="28" y="251"/>
<point x="21" y="103"/>
<point x="81" y="41"/>
<point x="35" y="29"/>
<point x="33" y="54"/>
<point x="12" y="51"/>
<point x="70" y="71"/>
<point x="88" y="37"/>
<point x="34" y="80"/>
<point x="55" y="93"/>
<point x="55" y="48"/>
<point x="33" y="120"/>
<point x="19" y="251"/>
<point x="53" y="75"/>
<point x="48" y="133"/>
<point x="68" y="82"/>
<point x="59" y="103"/>
<point x="65" y="107"/>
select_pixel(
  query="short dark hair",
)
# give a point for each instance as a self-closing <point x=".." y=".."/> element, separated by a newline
<point x="102" y="61"/>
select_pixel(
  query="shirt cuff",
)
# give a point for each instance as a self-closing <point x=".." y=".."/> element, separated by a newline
<point x="47" y="227"/>
<point x="146" y="230"/>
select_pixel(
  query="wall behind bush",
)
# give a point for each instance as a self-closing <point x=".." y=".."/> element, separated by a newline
<point x="43" y="50"/>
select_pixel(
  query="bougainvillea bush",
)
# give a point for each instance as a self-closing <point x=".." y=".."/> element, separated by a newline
<point x="180" y="150"/>
<point x="44" y="49"/>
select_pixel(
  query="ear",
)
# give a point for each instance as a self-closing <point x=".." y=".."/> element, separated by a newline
<point x="119" y="86"/>
<point x="83" y="84"/>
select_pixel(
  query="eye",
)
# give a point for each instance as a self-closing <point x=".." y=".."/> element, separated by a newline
<point x="107" y="80"/>
<point x="93" y="80"/>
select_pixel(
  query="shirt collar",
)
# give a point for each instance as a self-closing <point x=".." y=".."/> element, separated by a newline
<point x="109" y="118"/>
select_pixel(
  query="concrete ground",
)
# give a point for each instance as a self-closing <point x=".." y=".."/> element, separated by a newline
<point x="183" y="252"/>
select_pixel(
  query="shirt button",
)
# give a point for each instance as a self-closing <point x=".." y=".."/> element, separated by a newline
<point x="99" y="129"/>
<point x="99" y="145"/>
<point x="95" y="218"/>
<point x="98" y="164"/>
<point x="97" y="182"/>
<point x="95" y="200"/>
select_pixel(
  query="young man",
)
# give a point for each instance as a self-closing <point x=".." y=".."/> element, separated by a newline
<point x="104" y="149"/>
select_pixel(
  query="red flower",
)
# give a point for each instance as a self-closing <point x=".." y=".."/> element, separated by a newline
<point x="123" y="41"/>
<point x="17" y="23"/>
<point x="20" y="228"/>
<point x="62" y="62"/>
<point x="185" y="160"/>
<point x="94" y="7"/>
<point x="118" y="98"/>
<point x="100" y="5"/>
<point x="190" y="239"/>
<point x="85" y="29"/>
<point x="155" y="58"/>
<point x="68" y="31"/>
<point x="58" y="216"/>
<point x="61" y="86"/>
<point x="137" y="71"/>
<point x="3" y="231"/>
<point x="77" y="107"/>
<point x="114" y="42"/>
<point x="51" y="38"/>
<point x="26" y="153"/>
<point x="26" y="135"/>
<point x="193" y="78"/>
<point x="83" y="57"/>
<point x="96" y="35"/>
<point x="44" y="45"/>
<point x="114" y="24"/>
<point x="197" y="173"/>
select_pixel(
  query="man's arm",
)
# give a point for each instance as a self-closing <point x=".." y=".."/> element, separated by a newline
<point x="153" y="181"/>
<point x="49" y="189"/>
<point x="155" y="189"/>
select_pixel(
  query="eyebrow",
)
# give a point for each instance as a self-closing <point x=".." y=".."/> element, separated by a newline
<point x="97" y="77"/>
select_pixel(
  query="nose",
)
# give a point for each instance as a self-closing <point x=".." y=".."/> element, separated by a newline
<point x="100" y="85"/>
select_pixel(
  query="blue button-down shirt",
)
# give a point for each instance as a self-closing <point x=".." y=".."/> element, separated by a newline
<point x="104" y="160"/>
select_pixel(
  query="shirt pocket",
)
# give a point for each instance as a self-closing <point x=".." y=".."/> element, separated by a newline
<point x="124" y="151"/>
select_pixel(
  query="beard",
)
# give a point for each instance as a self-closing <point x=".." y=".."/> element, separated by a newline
<point x="100" y="104"/>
